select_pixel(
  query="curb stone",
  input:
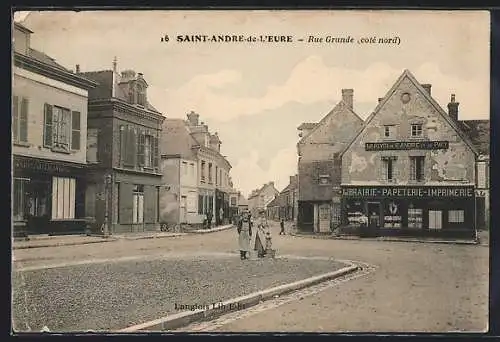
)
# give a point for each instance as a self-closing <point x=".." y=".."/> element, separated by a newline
<point x="62" y="244"/>
<point x="213" y="230"/>
<point x="184" y="318"/>
<point x="328" y="237"/>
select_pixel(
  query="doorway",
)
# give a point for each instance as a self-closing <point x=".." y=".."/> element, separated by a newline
<point x="435" y="219"/>
<point x="306" y="216"/>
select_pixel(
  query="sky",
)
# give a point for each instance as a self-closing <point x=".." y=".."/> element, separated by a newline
<point x="255" y="95"/>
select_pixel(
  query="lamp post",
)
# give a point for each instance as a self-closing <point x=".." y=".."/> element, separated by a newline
<point x="107" y="183"/>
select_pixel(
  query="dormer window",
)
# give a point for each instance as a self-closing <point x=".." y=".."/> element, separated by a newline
<point x="140" y="94"/>
<point x="389" y="131"/>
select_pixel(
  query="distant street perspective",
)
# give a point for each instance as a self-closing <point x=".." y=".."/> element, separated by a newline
<point x="117" y="284"/>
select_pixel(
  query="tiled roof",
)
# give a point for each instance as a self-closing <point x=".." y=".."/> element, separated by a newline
<point x="307" y="125"/>
<point x="44" y="58"/>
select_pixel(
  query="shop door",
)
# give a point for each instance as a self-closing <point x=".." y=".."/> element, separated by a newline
<point x="435" y="219"/>
<point x="324" y="218"/>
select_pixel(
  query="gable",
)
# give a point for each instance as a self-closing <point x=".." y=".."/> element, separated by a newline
<point x="425" y="99"/>
<point x="407" y="104"/>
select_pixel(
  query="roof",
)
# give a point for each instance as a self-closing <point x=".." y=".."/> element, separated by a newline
<point x="407" y="74"/>
<point x="176" y="139"/>
<point x="339" y="107"/>
<point x="307" y="125"/>
<point x="105" y="89"/>
<point x="274" y="202"/>
<point x="479" y="133"/>
<point x="44" y="58"/>
<point x="22" y="27"/>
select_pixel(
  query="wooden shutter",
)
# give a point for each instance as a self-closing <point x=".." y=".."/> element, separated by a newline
<point x="131" y="147"/>
<point x="155" y="152"/>
<point x="149" y="204"/>
<point x="125" y="200"/>
<point x="75" y="130"/>
<point x="123" y="144"/>
<point x="15" y="118"/>
<point x="140" y="147"/>
<point x="47" y="126"/>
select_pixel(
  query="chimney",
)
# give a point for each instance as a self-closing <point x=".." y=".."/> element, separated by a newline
<point x="193" y="118"/>
<point x="453" y="108"/>
<point x="114" y="64"/>
<point x="348" y="97"/>
<point x="380" y="99"/>
<point x="77" y="68"/>
<point x="427" y="88"/>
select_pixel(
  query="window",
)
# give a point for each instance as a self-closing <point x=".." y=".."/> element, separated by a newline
<point x="417" y="168"/>
<point x="200" y="204"/>
<point x="138" y="204"/>
<point x="220" y="176"/>
<point x="62" y="128"/>
<point x="233" y="201"/>
<point x="202" y="171"/>
<point x="414" y="217"/>
<point x="389" y="131"/>
<point x="18" y="203"/>
<point x="20" y="119"/>
<point x="324" y="179"/>
<point x="210" y="173"/>
<point x="416" y="130"/>
<point x="456" y="216"/>
<point x="128" y="146"/>
<point x="388" y="166"/>
<point x="63" y="198"/>
<point x="481" y="175"/>
<point x="217" y="178"/>
<point x="141" y="95"/>
<point x="92" y="145"/>
<point x="147" y="150"/>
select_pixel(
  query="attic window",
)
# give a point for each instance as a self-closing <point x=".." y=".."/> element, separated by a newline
<point x="140" y="95"/>
<point x="324" y="179"/>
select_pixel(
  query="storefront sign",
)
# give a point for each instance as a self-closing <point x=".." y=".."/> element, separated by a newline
<point x="41" y="166"/>
<point x="408" y="192"/>
<point x="406" y="145"/>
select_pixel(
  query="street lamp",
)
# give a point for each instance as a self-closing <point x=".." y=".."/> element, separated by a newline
<point x="107" y="183"/>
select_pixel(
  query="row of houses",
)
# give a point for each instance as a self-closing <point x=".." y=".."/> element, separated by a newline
<point x="90" y="145"/>
<point x="413" y="165"/>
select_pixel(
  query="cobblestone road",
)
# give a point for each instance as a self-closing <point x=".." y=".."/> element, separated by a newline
<point x="416" y="287"/>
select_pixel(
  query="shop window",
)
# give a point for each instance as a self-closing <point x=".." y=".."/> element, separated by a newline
<point x="354" y="213"/>
<point x="63" y="198"/>
<point x="389" y="131"/>
<point x="435" y="219"/>
<point x="19" y="199"/>
<point x="392" y="216"/>
<point x="456" y="216"/>
<point x="200" y="204"/>
<point x="416" y="130"/>
<point x="417" y="168"/>
<point x="61" y="128"/>
<point x="415" y="217"/>
<point x="138" y="204"/>
<point x="20" y="120"/>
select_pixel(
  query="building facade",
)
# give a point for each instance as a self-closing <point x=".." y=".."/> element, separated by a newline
<point x="192" y="141"/>
<point x="123" y="176"/>
<point x="319" y="165"/>
<point x="410" y="168"/>
<point x="49" y="137"/>
<point x="288" y="203"/>
<point x="260" y="198"/>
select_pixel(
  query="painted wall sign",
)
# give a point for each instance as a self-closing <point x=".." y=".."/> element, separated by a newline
<point x="441" y="191"/>
<point x="41" y="166"/>
<point x="406" y="145"/>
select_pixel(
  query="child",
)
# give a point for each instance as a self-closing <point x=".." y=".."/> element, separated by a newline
<point x="282" y="225"/>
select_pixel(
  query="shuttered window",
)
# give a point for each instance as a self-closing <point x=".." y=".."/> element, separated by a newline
<point x="20" y="119"/>
<point x="141" y="149"/>
<point x="155" y="152"/>
<point x="123" y="144"/>
<point x="47" y="126"/>
<point x="128" y="146"/>
<point x="75" y="130"/>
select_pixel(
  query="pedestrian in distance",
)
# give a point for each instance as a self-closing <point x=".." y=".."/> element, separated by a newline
<point x="282" y="225"/>
<point x="244" y="236"/>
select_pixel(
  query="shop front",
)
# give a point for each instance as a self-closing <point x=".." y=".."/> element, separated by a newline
<point x="411" y="210"/>
<point x="48" y="196"/>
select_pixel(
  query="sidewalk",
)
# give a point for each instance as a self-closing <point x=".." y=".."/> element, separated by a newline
<point x="394" y="239"/>
<point x="39" y="241"/>
<point x="59" y="240"/>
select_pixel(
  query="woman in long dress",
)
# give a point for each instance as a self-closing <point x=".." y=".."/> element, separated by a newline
<point x="244" y="235"/>
<point x="260" y="235"/>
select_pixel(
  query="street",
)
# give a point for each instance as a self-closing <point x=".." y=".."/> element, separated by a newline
<point x="415" y="287"/>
